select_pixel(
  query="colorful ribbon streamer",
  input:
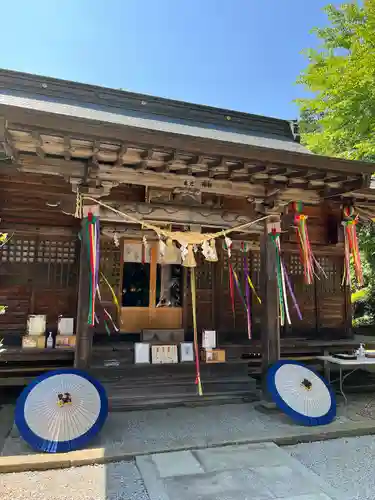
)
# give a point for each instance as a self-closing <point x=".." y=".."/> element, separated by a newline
<point x="282" y="280"/>
<point x="306" y="253"/>
<point x="247" y="293"/>
<point x="351" y="246"/>
<point x="195" y="329"/>
<point x="228" y="248"/>
<point x="291" y="293"/>
<point x="114" y="296"/>
<point x="93" y="235"/>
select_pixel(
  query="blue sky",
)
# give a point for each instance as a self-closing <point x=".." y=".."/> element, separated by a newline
<point x="237" y="54"/>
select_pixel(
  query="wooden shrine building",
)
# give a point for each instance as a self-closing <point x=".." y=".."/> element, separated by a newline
<point x="178" y="166"/>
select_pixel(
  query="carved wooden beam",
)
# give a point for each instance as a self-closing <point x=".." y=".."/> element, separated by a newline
<point x="123" y="175"/>
<point x="346" y="187"/>
<point x="175" y="214"/>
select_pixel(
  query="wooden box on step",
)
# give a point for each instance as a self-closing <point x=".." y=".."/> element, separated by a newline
<point x="213" y="355"/>
<point x="65" y="341"/>
<point x="33" y="342"/>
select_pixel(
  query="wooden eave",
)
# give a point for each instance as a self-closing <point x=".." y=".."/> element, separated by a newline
<point x="93" y="153"/>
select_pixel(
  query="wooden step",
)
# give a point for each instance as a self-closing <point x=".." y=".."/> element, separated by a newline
<point x="163" y="388"/>
<point x="122" y="404"/>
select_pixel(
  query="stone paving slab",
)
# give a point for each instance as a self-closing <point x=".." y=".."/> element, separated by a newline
<point x="131" y="434"/>
<point x="254" y="472"/>
<point x="188" y="428"/>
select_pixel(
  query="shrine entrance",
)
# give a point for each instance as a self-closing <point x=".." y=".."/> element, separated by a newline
<point x="151" y="290"/>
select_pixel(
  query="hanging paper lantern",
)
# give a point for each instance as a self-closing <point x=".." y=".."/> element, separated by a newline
<point x="61" y="411"/>
<point x="349" y="222"/>
<point x="301" y="393"/>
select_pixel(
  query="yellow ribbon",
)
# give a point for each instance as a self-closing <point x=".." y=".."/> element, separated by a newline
<point x="114" y="296"/>
<point x="194" y="307"/>
<point x="253" y="289"/>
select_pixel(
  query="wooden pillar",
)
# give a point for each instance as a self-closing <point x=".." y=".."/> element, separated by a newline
<point x="84" y="332"/>
<point x="270" y="322"/>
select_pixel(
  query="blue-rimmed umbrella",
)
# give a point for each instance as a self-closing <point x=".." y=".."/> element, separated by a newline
<point x="301" y="393"/>
<point x="61" y="411"/>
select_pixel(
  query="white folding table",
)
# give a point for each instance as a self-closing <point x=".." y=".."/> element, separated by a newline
<point x="344" y="364"/>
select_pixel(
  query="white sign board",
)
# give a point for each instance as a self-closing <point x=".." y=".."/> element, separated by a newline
<point x="164" y="354"/>
<point x="209" y="339"/>
<point x="186" y="351"/>
<point x="141" y="352"/>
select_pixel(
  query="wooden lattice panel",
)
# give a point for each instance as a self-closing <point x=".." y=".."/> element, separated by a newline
<point x="110" y="265"/>
<point x="331" y="294"/>
<point x="59" y="252"/>
<point x="38" y="275"/>
<point x="305" y="297"/>
<point x="333" y="268"/>
<point x="19" y="250"/>
<point x="203" y="273"/>
<point x="294" y="266"/>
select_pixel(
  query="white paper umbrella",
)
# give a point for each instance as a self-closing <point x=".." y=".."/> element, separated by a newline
<point x="61" y="411"/>
<point x="301" y="393"/>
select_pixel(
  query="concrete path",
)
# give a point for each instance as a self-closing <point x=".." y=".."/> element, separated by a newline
<point x="248" y="472"/>
<point x="130" y="434"/>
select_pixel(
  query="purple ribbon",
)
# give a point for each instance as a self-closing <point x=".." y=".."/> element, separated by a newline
<point x="97" y="235"/>
<point x="247" y="293"/>
<point x="291" y="290"/>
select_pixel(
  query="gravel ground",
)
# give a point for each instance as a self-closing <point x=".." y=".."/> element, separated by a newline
<point x="348" y="464"/>
<point x="120" y="481"/>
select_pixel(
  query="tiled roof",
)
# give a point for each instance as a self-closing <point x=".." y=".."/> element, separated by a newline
<point x="118" y="107"/>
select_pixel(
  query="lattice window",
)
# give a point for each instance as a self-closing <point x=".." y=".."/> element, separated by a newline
<point x="47" y="262"/>
<point x="204" y="276"/>
<point x="110" y="263"/>
<point x="295" y="266"/>
<point x="331" y="282"/>
<point x="19" y="250"/>
<point x="61" y="252"/>
<point x="255" y="267"/>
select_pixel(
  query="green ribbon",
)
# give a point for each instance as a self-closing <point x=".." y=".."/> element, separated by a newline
<point x="279" y="279"/>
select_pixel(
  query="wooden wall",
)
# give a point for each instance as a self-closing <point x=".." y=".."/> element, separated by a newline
<point x="324" y="304"/>
<point x="38" y="267"/>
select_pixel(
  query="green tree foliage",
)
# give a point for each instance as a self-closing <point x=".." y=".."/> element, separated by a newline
<point x="338" y="117"/>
